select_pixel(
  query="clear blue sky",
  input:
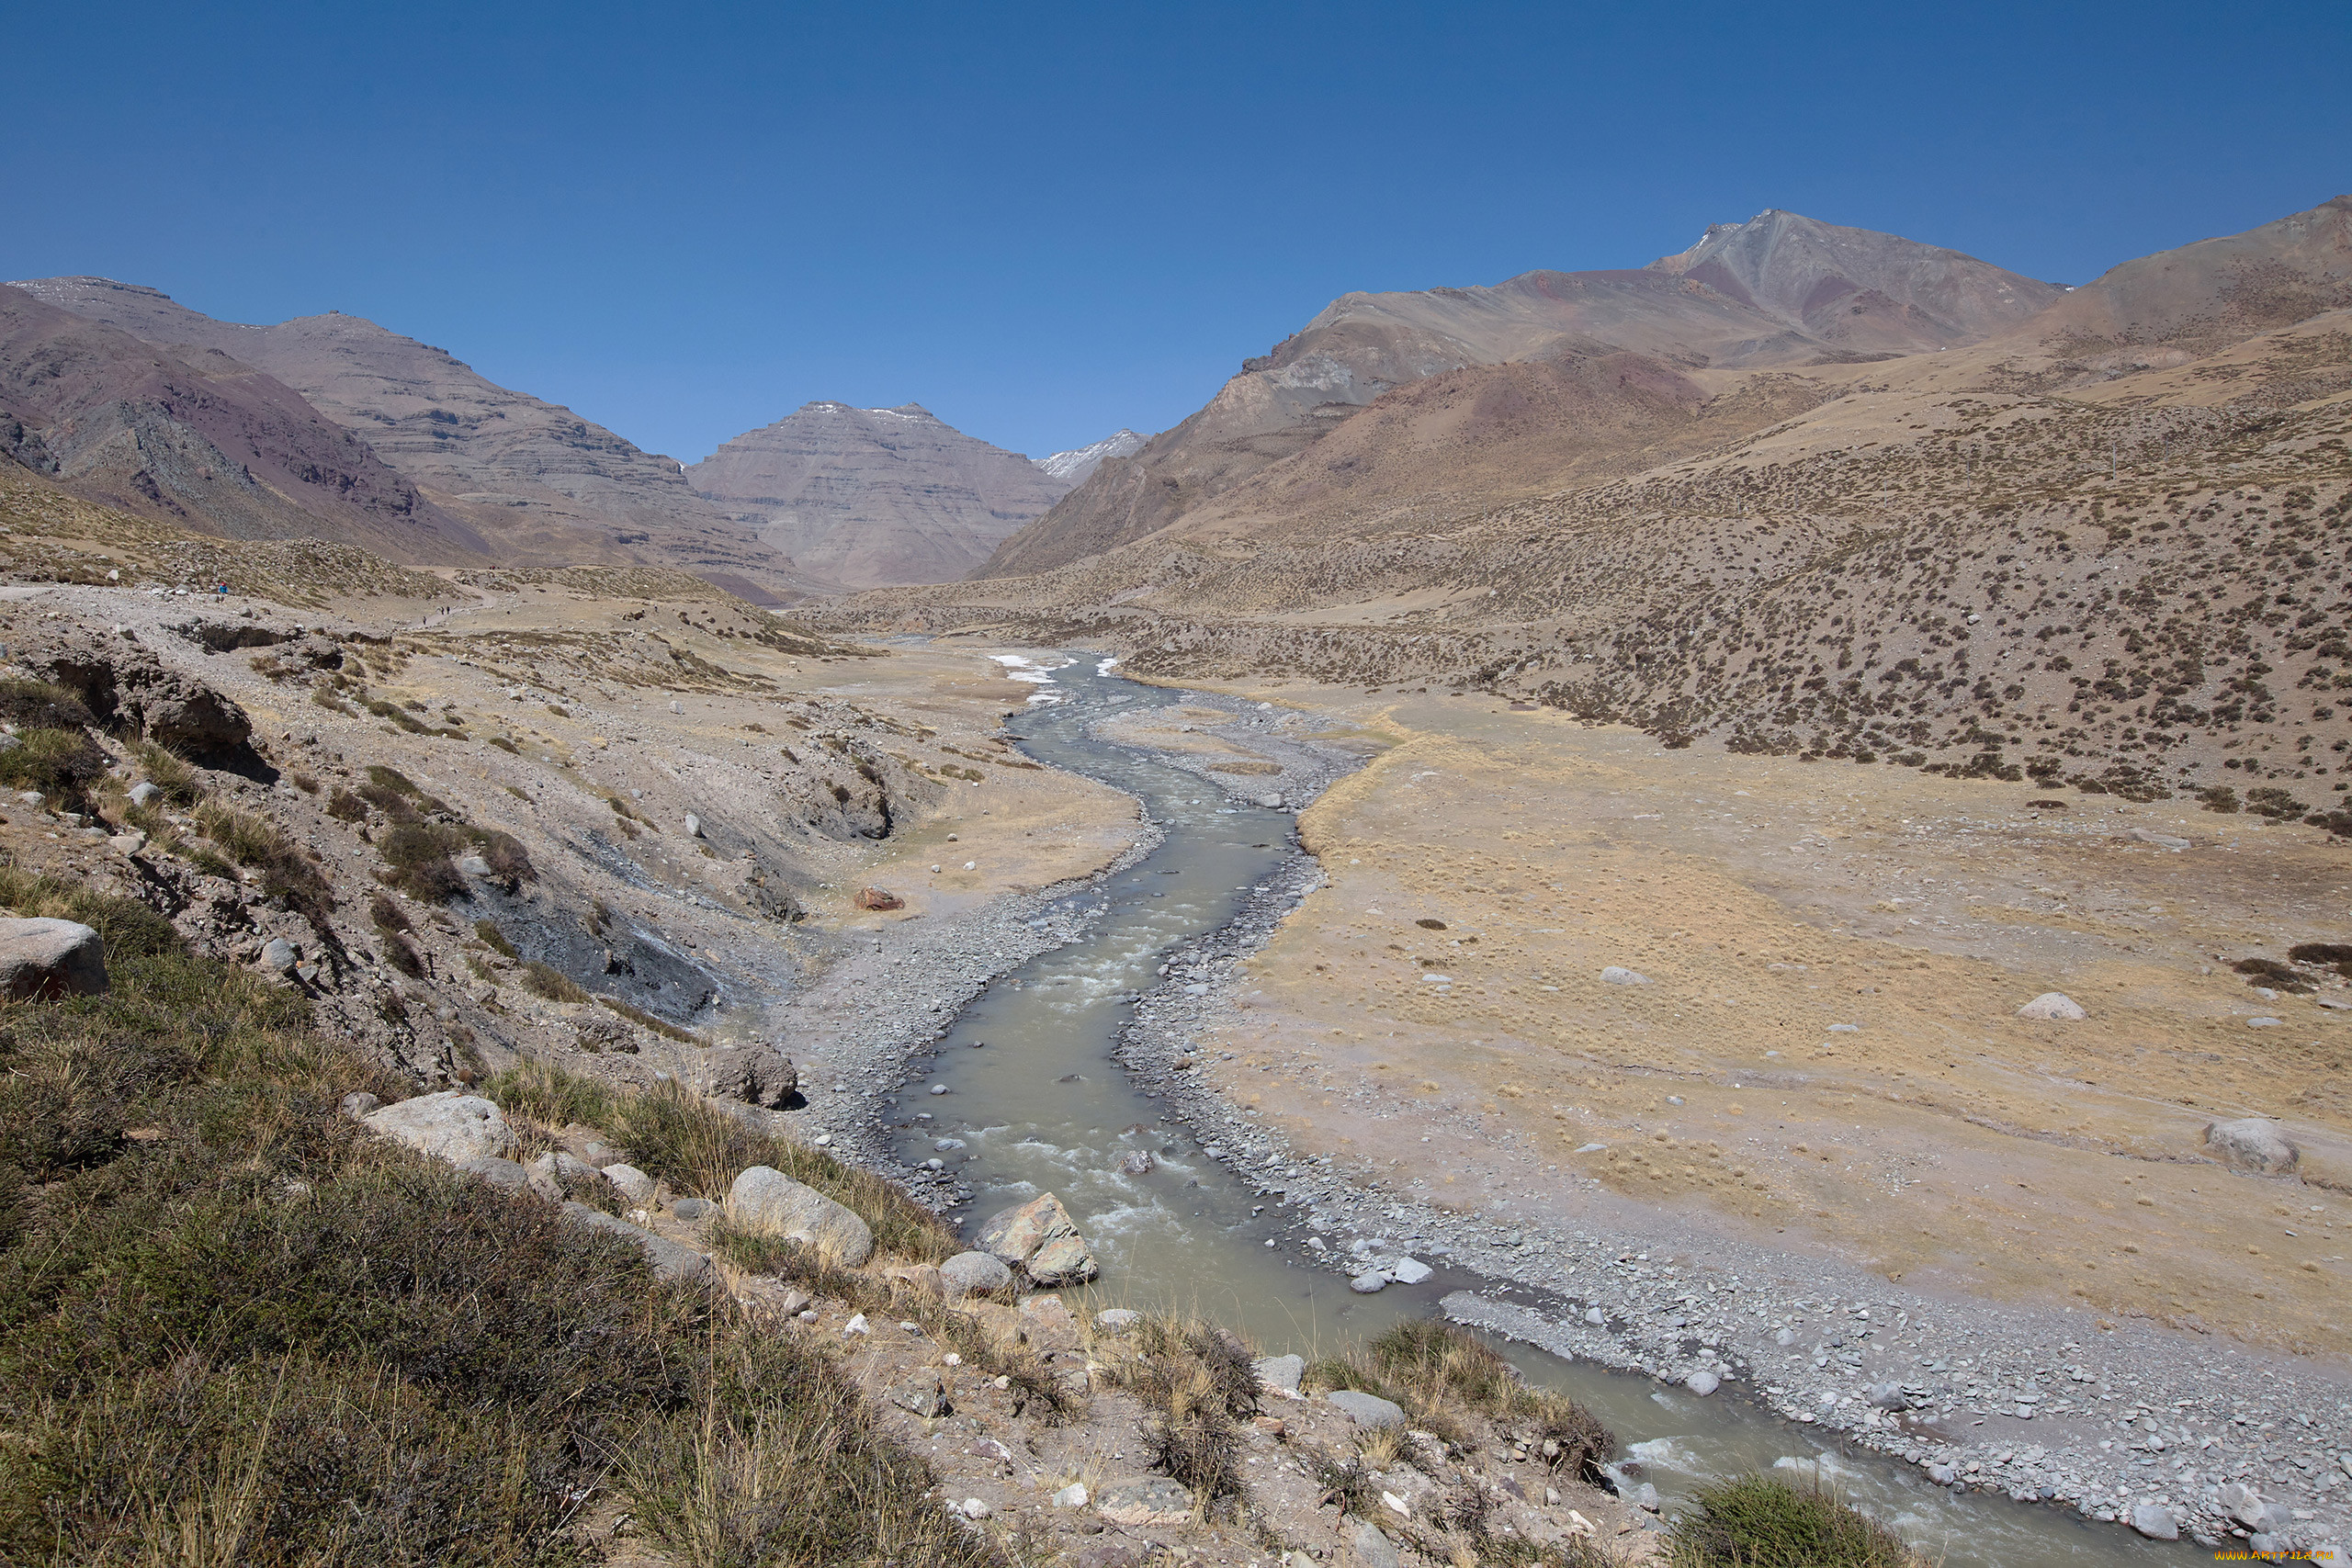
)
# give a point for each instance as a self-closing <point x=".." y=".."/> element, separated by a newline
<point x="1046" y="222"/>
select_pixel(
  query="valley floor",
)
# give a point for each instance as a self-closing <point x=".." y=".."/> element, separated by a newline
<point x="1818" y="1095"/>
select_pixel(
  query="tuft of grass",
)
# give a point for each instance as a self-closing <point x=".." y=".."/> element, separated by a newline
<point x="644" y="1020"/>
<point x="62" y="763"/>
<point x="260" y="844"/>
<point x="547" y="981"/>
<point x="699" y="1149"/>
<point x="182" y="784"/>
<point x="129" y="929"/>
<point x="39" y="704"/>
<point x="1758" y="1522"/>
<point x="494" y="939"/>
<point x="543" y="1092"/>
<point x="1441" y="1372"/>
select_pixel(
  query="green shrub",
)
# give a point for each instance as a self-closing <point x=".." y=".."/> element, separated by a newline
<point x="494" y="939"/>
<point x="1758" y="1522"/>
<point x="417" y="855"/>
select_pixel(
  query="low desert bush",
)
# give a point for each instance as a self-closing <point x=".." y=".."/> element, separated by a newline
<point x="1758" y="1522"/>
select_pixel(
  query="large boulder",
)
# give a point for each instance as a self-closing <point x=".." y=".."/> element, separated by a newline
<point x="43" y="959"/>
<point x="2254" y="1143"/>
<point x="2053" y="1007"/>
<point x="449" y="1126"/>
<point x="757" y="1074"/>
<point x="973" y="1274"/>
<point x="123" y="684"/>
<point x="1366" y="1409"/>
<point x="767" y="1199"/>
<point x="1041" y="1239"/>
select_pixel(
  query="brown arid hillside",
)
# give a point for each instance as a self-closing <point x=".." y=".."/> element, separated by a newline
<point x="1777" y="290"/>
<point x="543" y="486"/>
<point x="2014" y="560"/>
<point x="199" y="439"/>
<point x="867" y="497"/>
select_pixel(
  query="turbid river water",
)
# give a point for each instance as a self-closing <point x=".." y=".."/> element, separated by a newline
<point x="1037" y="1104"/>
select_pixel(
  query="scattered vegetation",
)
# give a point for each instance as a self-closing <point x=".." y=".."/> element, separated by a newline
<point x="547" y="981"/>
<point x="644" y="1020"/>
<point x="261" y="845"/>
<point x="235" y="1328"/>
<point x="1441" y="1373"/>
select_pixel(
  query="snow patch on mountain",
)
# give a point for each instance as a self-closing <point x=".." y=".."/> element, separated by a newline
<point x="1071" y="467"/>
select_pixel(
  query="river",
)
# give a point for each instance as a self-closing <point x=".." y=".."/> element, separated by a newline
<point x="1036" y="1103"/>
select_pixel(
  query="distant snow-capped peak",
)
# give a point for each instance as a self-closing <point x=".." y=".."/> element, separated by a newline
<point x="1073" y="467"/>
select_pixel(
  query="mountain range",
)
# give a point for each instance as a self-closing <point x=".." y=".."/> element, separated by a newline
<point x="1777" y="291"/>
<point x="863" y="497"/>
<point x="333" y="426"/>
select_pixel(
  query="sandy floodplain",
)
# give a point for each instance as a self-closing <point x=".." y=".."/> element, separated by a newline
<point x="1826" y="1054"/>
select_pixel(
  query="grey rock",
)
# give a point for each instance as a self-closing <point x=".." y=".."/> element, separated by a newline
<point x="694" y="826"/>
<point x="2162" y="841"/>
<point x="277" y="955"/>
<point x="43" y="959"/>
<point x="2156" y="1521"/>
<point x="556" y="1175"/>
<point x="503" y="1174"/>
<point x="1702" y="1383"/>
<point x="1616" y="974"/>
<point x="670" y="1261"/>
<point x="1409" y="1270"/>
<point x="143" y="792"/>
<point x="1366" y="1409"/>
<point x="1154" y="1500"/>
<point x="473" y="865"/>
<point x="2053" y="1007"/>
<point x="1890" y="1397"/>
<point x="1375" y="1550"/>
<point x="1041" y="1238"/>
<point x="1784" y="1337"/>
<point x="1137" y="1162"/>
<point x="1594" y="1316"/>
<point x="1271" y="802"/>
<point x="691" y="1209"/>
<point x="921" y="1395"/>
<point x="2254" y="1143"/>
<point x="357" y="1103"/>
<point x="1117" y="1320"/>
<point x="1280" y="1373"/>
<point x="757" y="1074"/>
<point x="448" y="1125"/>
<point x="1073" y="1496"/>
<point x="767" y="1199"/>
<point x="635" y="1185"/>
<point x="973" y="1273"/>
<point x="1369" y="1282"/>
<point x="1943" y="1474"/>
<point x="1645" y="1498"/>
